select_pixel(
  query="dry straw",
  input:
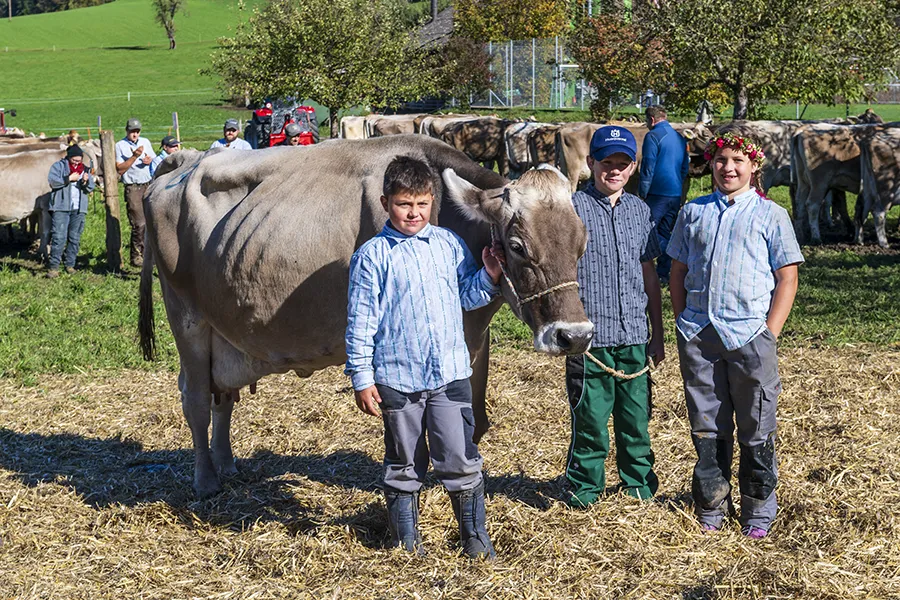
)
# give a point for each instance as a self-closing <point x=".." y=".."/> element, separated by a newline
<point x="95" y="496"/>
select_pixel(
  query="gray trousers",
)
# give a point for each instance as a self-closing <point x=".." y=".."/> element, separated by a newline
<point x="723" y="387"/>
<point x="446" y="415"/>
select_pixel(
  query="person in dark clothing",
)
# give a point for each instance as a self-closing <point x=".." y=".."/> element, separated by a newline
<point x="664" y="165"/>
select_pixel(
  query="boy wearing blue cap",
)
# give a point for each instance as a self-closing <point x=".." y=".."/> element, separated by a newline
<point x="619" y="287"/>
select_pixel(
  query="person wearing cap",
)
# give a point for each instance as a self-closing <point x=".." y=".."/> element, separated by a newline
<point x="619" y="287"/>
<point x="292" y="135"/>
<point x="231" y="139"/>
<point x="134" y="154"/>
<point x="70" y="186"/>
<point x="664" y="166"/>
<point x="169" y="146"/>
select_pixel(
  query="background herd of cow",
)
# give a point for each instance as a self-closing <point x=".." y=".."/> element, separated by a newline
<point x="819" y="160"/>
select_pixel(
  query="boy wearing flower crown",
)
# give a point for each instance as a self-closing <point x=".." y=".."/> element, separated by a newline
<point x="733" y="283"/>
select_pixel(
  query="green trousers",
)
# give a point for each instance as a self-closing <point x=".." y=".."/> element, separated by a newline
<point x="594" y="395"/>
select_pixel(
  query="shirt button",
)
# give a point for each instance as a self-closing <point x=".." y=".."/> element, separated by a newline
<point x="715" y="263"/>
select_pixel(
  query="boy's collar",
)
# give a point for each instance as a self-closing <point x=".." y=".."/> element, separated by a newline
<point x="748" y="195"/>
<point x="592" y="191"/>
<point x="390" y="231"/>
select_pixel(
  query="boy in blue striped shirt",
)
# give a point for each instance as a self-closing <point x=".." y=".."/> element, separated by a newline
<point x="733" y="283"/>
<point x="406" y="352"/>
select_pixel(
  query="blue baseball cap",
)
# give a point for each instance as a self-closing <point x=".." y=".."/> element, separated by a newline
<point x="612" y="139"/>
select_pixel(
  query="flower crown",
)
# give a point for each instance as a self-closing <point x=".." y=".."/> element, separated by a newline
<point x="735" y="142"/>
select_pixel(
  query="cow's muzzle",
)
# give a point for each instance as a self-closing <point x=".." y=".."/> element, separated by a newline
<point x="561" y="337"/>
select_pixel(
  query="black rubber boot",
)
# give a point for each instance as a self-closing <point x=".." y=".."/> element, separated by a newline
<point x="468" y="506"/>
<point x="403" y="520"/>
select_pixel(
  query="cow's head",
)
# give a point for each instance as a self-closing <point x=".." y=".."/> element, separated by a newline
<point x="543" y="239"/>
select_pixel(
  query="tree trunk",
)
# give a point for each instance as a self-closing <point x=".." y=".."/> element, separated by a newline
<point x="335" y="123"/>
<point x="171" y="33"/>
<point x="741" y="102"/>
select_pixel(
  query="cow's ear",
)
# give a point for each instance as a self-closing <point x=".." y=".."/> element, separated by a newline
<point x="475" y="203"/>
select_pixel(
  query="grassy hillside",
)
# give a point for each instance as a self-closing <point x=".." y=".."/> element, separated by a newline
<point x="123" y="24"/>
<point x="103" y="53"/>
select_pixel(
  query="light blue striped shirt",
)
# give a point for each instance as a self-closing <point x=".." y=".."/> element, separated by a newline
<point x="732" y="253"/>
<point x="404" y="317"/>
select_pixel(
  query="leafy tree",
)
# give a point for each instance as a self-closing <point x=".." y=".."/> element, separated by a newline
<point x="340" y="53"/>
<point x="781" y="50"/>
<point x="500" y="20"/>
<point x="461" y="68"/>
<point x="164" y="11"/>
<point x="617" y="57"/>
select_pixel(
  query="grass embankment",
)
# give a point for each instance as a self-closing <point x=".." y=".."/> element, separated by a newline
<point x="104" y="52"/>
<point x="88" y="321"/>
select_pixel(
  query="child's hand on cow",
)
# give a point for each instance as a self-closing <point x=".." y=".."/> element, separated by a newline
<point x="493" y="259"/>
<point x="368" y="400"/>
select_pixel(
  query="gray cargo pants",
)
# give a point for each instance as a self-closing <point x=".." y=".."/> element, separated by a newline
<point x="723" y="386"/>
<point x="446" y="415"/>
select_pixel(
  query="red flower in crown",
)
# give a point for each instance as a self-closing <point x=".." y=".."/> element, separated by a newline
<point x="740" y="144"/>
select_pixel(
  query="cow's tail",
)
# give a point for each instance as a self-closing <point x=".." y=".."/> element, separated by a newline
<point x="146" y="325"/>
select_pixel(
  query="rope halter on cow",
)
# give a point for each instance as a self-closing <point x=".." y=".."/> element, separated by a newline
<point x="521" y="301"/>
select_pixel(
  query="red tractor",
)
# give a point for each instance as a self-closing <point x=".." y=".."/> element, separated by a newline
<point x="266" y="127"/>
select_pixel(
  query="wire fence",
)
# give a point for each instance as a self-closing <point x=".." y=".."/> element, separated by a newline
<point x="535" y="73"/>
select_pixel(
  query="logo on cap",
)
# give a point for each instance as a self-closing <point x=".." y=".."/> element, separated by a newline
<point x="614" y="133"/>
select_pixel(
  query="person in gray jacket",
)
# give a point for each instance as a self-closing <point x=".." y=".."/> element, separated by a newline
<point x="70" y="184"/>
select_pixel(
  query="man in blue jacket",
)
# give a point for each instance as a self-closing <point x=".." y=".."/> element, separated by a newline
<point x="664" y="165"/>
<point x="70" y="184"/>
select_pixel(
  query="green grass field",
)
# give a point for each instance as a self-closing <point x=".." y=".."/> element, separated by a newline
<point x="103" y="53"/>
<point x="88" y="321"/>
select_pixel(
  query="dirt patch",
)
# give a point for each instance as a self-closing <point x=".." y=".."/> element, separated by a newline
<point x="95" y="497"/>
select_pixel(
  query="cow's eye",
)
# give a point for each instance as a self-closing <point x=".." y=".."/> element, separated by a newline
<point x="517" y="247"/>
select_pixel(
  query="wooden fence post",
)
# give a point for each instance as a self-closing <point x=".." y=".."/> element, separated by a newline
<point x="111" y="196"/>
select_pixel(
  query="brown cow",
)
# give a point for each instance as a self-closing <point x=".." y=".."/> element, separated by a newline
<point x="880" y="168"/>
<point x="825" y="157"/>
<point x="434" y="125"/>
<point x="542" y="144"/>
<point x="481" y="139"/>
<point x="255" y="280"/>
<point x="382" y="125"/>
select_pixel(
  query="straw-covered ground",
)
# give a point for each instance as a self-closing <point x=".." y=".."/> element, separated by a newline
<point x="95" y="497"/>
